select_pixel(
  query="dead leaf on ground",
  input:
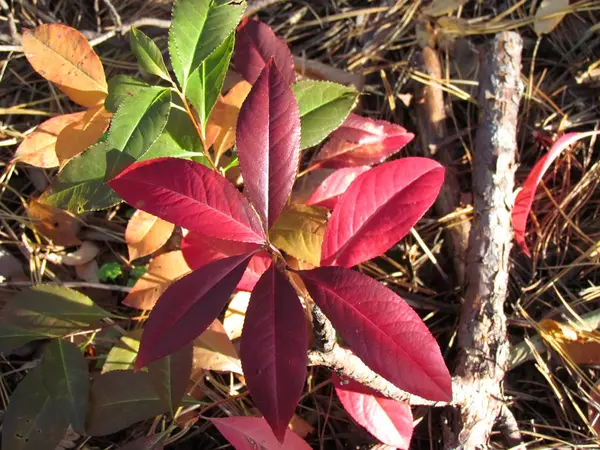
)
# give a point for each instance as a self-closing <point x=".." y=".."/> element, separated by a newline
<point x="88" y="271"/>
<point x="549" y="15"/>
<point x="442" y="7"/>
<point x="83" y="255"/>
<point x="82" y="133"/>
<point x="213" y="350"/>
<point x="145" y="234"/>
<point x="300" y="426"/>
<point x="10" y="267"/>
<point x="58" y="226"/>
<point x="162" y="271"/>
<point x="578" y="346"/>
<point x="235" y="314"/>
<point x="39" y="147"/>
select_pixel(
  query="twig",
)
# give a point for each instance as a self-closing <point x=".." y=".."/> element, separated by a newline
<point x="483" y="358"/>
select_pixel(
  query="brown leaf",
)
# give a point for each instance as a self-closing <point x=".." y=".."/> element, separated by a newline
<point x="79" y="135"/>
<point x="39" y="147"/>
<point x="64" y="56"/>
<point x="549" y="14"/>
<point x="235" y="314"/>
<point x="220" y="129"/>
<point x="578" y="346"/>
<point x="83" y="255"/>
<point x="145" y="234"/>
<point x="88" y="271"/>
<point x="55" y="224"/>
<point x="214" y="351"/>
<point x="300" y="426"/>
<point x="162" y="271"/>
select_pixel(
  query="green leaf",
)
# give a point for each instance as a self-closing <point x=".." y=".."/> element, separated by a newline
<point x="109" y="271"/>
<point x="13" y="336"/>
<point x="119" y="399"/>
<point x="80" y="185"/>
<point x="67" y="380"/>
<point x="123" y="354"/>
<point x="323" y="108"/>
<point x="299" y="232"/>
<point x="137" y="125"/>
<point x="148" y="54"/>
<point x="32" y="420"/>
<point x="197" y="29"/>
<point x="52" y="310"/>
<point x="121" y="87"/>
<point x="170" y="376"/>
<point x="205" y="83"/>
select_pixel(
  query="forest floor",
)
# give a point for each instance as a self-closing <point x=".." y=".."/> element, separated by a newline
<point x="550" y="391"/>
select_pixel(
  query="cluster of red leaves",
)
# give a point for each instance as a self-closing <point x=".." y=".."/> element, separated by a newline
<point x="228" y="246"/>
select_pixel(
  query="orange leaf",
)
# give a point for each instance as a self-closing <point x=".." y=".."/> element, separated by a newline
<point x="79" y="135"/>
<point x="162" y="271"/>
<point x="214" y="351"/>
<point x="235" y="314"/>
<point x="55" y="224"/>
<point x="63" y="55"/>
<point x="577" y="345"/>
<point x="220" y="129"/>
<point x="39" y="147"/>
<point x="145" y="234"/>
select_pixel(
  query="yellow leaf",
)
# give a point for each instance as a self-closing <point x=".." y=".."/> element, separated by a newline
<point x="63" y="55"/>
<point x="162" y="271"/>
<point x="55" y="224"/>
<point x="235" y="314"/>
<point x="79" y="135"/>
<point x="299" y="232"/>
<point x="39" y="147"/>
<point x="441" y="7"/>
<point x="213" y="350"/>
<point x="549" y="14"/>
<point x="220" y="129"/>
<point x="145" y="234"/>
<point x="577" y="345"/>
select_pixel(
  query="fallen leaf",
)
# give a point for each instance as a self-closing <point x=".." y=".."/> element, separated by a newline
<point x="300" y="426"/>
<point x="88" y="271"/>
<point x="549" y="14"/>
<point x="236" y="313"/>
<point x="145" y="234"/>
<point x="578" y="346"/>
<point x="82" y="133"/>
<point x="213" y="350"/>
<point x="64" y="56"/>
<point x="39" y="147"/>
<point x="83" y="255"/>
<point x="58" y="226"/>
<point x="221" y="126"/>
<point x="442" y="7"/>
<point x="162" y="271"/>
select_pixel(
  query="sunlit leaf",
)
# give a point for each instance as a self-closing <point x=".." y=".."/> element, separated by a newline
<point x="576" y="345"/>
<point x="67" y="381"/>
<point x="388" y="420"/>
<point x="170" y="375"/>
<point x="299" y="232"/>
<point x="323" y="107"/>
<point x="524" y="198"/>
<point x="213" y="350"/>
<point x="549" y="14"/>
<point x="256" y="44"/>
<point x="162" y="271"/>
<point x="188" y="307"/>
<point x="122" y="355"/>
<point x="55" y="224"/>
<point x="121" y="87"/>
<point x="145" y="234"/>
<point x="190" y="199"/>
<point x="31" y="409"/>
<point x="353" y="301"/>
<point x="273" y="347"/>
<point x="63" y="55"/>
<point x="268" y="138"/>
<point x="379" y="208"/>
<point x="148" y="54"/>
<point x="235" y="314"/>
<point x="330" y="190"/>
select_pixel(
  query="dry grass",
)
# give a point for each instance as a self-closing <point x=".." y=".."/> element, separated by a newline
<point x="550" y="395"/>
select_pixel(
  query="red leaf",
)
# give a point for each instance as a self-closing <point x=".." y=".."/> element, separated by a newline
<point x="273" y="349"/>
<point x="361" y="141"/>
<point x="252" y="433"/>
<point x="388" y="420"/>
<point x="190" y="195"/>
<point x="327" y="194"/>
<point x="379" y="208"/>
<point x="188" y="307"/>
<point x="268" y="141"/>
<point x="524" y="198"/>
<point x="382" y="330"/>
<point x="198" y="250"/>
<point x="256" y="43"/>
